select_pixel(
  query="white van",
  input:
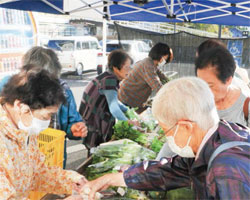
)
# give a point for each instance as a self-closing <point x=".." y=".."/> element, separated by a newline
<point x="76" y="53"/>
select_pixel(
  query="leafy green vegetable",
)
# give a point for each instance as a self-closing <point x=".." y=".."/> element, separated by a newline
<point x="131" y="114"/>
<point x="156" y="145"/>
<point x="122" y="129"/>
<point x="107" y="157"/>
<point x="135" y="194"/>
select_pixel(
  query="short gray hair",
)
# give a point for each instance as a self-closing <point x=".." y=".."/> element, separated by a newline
<point x="185" y="98"/>
<point x="44" y="58"/>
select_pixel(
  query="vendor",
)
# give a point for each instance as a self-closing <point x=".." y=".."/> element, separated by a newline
<point x="27" y="102"/>
<point x="186" y="111"/>
<point x="67" y="118"/>
<point x="145" y="78"/>
<point x="99" y="105"/>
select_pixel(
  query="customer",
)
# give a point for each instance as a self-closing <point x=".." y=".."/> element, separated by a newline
<point x="144" y="78"/>
<point x="100" y="106"/>
<point x="216" y="66"/>
<point x="185" y="109"/>
<point x="240" y="76"/>
<point x="27" y="102"/>
<point x="67" y="118"/>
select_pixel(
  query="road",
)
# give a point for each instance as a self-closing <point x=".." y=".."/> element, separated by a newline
<point x="76" y="151"/>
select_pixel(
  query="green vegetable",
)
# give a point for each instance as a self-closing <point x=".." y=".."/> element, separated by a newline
<point x="135" y="194"/>
<point x="156" y="145"/>
<point x="122" y="129"/>
<point x="107" y="157"/>
<point x="131" y="114"/>
<point x="157" y="195"/>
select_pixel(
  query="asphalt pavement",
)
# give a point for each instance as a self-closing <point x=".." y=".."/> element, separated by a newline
<point x="76" y="151"/>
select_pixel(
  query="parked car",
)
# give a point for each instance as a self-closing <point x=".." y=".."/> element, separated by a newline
<point x="137" y="49"/>
<point x="76" y="53"/>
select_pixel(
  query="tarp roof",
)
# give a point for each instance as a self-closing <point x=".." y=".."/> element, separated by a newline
<point x="223" y="12"/>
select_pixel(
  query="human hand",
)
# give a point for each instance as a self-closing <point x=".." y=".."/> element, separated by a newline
<point x="74" y="197"/>
<point x="102" y="183"/>
<point x="79" y="129"/>
<point x="134" y="122"/>
<point x="78" y="185"/>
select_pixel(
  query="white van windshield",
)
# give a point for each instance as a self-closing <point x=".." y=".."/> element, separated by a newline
<point x="61" y="45"/>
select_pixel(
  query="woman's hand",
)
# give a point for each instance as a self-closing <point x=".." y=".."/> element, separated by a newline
<point x="79" y="129"/>
<point x="77" y="186"/>
<point x="102" y="183"/>
<point x="74" y="197"/>
<point x="134" y="122"/>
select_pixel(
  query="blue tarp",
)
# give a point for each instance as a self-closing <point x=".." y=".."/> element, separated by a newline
<point x="229" y="12"/>
<point x="223" y="12"/>
<point x="53" y="6"/>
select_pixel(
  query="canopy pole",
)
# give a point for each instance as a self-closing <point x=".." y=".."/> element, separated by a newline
<point x="104" y="35"/>
<point x="219" y="33"/>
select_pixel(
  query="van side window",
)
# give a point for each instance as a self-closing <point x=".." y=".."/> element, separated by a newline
<point x="85" y="45"/>
<point x="93" y="45"/>
<point x="78" y="46"/>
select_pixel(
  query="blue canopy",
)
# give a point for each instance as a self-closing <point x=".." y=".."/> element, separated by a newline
<point x="47" y="6"/>
<point x="223" y="12"/>
<point x="229" y="12"/>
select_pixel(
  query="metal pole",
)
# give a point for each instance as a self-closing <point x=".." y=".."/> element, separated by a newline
<point x="104" y="42"/>
<point x="219" y="33"/>
<point x="104" y="35"/>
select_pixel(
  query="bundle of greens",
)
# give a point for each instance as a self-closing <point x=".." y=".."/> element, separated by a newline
<point x="122" y="129"/>
<point x="131" y="114"/>
<point x="107" y="158"/>
<point x="158" y="141"/>
<point x="110" y="157"/>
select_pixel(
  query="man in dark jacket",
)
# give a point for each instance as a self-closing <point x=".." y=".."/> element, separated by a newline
<point x="186" y="111"/>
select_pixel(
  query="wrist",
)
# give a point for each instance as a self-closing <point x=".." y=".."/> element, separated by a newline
<point x="117" y="179"/>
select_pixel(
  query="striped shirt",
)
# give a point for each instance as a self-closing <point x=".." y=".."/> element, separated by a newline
<point x="143" y="79"/>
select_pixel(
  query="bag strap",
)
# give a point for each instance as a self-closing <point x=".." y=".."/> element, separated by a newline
<point x="245" y="108"/>
<point x="223" y="147"/>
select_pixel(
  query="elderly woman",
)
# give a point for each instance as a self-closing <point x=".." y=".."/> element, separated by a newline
<point x="240" y="73"/>
<point x="146" y="77"/>
<point x="27" y="102"/>
<point x="100" y="105"/>
<point x="186" y="111"/>
<point x="216" y="66"/>
<point x="67" y="118"/>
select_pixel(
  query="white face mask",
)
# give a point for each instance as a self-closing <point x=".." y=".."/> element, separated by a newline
<point x="36" y="126"/>
<point x="186" y="151"/>
<point x="162" y="63"/>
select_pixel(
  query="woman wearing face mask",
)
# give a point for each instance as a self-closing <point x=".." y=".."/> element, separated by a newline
<point x="100" y="106"/>
<point x="27" y="102"/>
<point x="186" y="110"/>
<point x="145" y="77"/>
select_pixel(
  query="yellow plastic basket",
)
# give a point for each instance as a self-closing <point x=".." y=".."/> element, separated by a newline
<point x="51" y="143"/>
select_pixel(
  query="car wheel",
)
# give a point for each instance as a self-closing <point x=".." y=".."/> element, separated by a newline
<point x="79" y="69"/>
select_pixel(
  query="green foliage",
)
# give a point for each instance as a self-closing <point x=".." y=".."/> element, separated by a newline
<point x="131" y="114"/>
<point x="122" y="129"/>
<point x="157" y="195"/>
<point x="107" y="157"/>
<point x="156" y="145"/>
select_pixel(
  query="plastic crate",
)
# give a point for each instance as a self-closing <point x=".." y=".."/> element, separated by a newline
<point x="51" y="143"/>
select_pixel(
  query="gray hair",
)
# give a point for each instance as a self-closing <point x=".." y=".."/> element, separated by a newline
<point x="186" y="98"/>
<point x="44" y="58"/>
